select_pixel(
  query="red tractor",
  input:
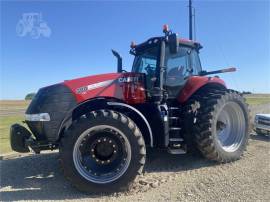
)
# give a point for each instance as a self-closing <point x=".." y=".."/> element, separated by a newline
<point x="103" y="124"/>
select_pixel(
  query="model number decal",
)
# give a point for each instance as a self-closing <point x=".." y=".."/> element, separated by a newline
<point x="93" y="86"/>
<point x="81" y="89"/>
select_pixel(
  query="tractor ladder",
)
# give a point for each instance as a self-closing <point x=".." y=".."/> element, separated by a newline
<point x="176" y="141"/>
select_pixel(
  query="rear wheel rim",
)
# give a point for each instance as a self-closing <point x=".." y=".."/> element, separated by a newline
<point x="102" y="154"/>
<point x="231" y="126"/>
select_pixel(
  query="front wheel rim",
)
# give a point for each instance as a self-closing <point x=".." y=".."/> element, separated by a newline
<point x="231" y="126"/>
<point x="102" y="154"/>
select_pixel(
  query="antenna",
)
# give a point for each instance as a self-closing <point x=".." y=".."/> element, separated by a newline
<point x="194" y="24"/>
<point x="190" y="20"/>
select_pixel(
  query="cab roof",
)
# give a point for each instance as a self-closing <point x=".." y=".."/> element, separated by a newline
<point x="152" y="42"/>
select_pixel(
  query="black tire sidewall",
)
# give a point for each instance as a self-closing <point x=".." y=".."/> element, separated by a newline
<point x="67" y="155"/>
<point x="221" y="103"/>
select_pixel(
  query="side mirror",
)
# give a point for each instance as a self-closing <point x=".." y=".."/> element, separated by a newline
<point x="119" y="61"/>
<point x="173" y="43"/>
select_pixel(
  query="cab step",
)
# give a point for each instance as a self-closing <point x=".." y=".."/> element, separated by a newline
<point x="176" y="151"/>
<point x="175" y="128"/>
<point x="174" y="108"/>
<point x="176" y="139"/>
<point x="173" y="118"/>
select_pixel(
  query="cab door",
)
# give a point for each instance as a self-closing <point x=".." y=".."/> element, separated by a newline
<point x="178" y="69"/>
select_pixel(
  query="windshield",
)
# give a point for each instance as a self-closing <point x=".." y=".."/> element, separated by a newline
<point x="145" y="62"/>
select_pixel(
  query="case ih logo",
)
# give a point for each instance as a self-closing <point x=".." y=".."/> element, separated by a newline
<point x="128" y="79"/>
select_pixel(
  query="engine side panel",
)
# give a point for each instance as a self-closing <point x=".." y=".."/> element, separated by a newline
<point x="194" y="83"/>
<point x="128" y="87"/>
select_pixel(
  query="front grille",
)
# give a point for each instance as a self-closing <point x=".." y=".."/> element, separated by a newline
<point x="264" y="121"/>
<point x="56" y="100"/>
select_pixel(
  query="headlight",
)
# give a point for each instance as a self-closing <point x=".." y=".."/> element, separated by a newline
<point x="37" y="117"/>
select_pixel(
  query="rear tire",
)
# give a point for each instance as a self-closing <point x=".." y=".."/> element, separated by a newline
<point x="102" y="153"/>
<point x="221" y="125"/>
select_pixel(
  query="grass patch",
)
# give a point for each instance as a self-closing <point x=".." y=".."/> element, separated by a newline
<point x="257" y="100"/>
<point x="14" y="104"/>
<point x="11" y="111"/>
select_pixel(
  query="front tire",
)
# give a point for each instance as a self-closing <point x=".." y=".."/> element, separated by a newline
<point x="102" y="153"/>
<point x="221" y="125"/>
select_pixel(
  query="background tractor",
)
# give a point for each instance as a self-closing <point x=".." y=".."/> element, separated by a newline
<point x="102" y="124"/>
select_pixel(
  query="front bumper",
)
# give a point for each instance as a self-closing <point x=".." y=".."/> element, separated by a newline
<point x="262" y="127"/>
<point x="21" y="140"/>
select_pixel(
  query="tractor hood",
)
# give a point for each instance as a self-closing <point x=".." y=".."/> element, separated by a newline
<point x="128" y="87"/>
<point x="51" y="104"/>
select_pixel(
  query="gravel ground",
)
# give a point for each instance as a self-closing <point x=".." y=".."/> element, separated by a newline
<point x="166" y="178"/>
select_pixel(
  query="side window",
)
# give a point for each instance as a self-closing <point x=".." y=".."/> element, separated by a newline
<point x="177" y="67"/>
<point x="195" y="62"/>
<point x="146" y="64"/>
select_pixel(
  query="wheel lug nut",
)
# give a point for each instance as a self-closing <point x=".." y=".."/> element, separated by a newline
<point x="108" y="161"/>
<point x="102" y="162"/>
<point x="110" y="141"/>
<point x="99" y="140"/>
<point x="114" y="151"/>
<point x="113" y="146"/>
<point x="92" y="150"/>
<point x="93" y="156"/>
<point x="104" y="139"/>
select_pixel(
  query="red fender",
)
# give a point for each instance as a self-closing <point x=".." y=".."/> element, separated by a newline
<point x="196" y="82"/>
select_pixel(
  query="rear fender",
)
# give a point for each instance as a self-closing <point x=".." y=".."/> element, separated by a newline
<point x="194" y="83"/>
<point x="137" y="117"/>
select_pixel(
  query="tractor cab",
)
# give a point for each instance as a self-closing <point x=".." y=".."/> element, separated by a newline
<point x="167" y="62"/>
